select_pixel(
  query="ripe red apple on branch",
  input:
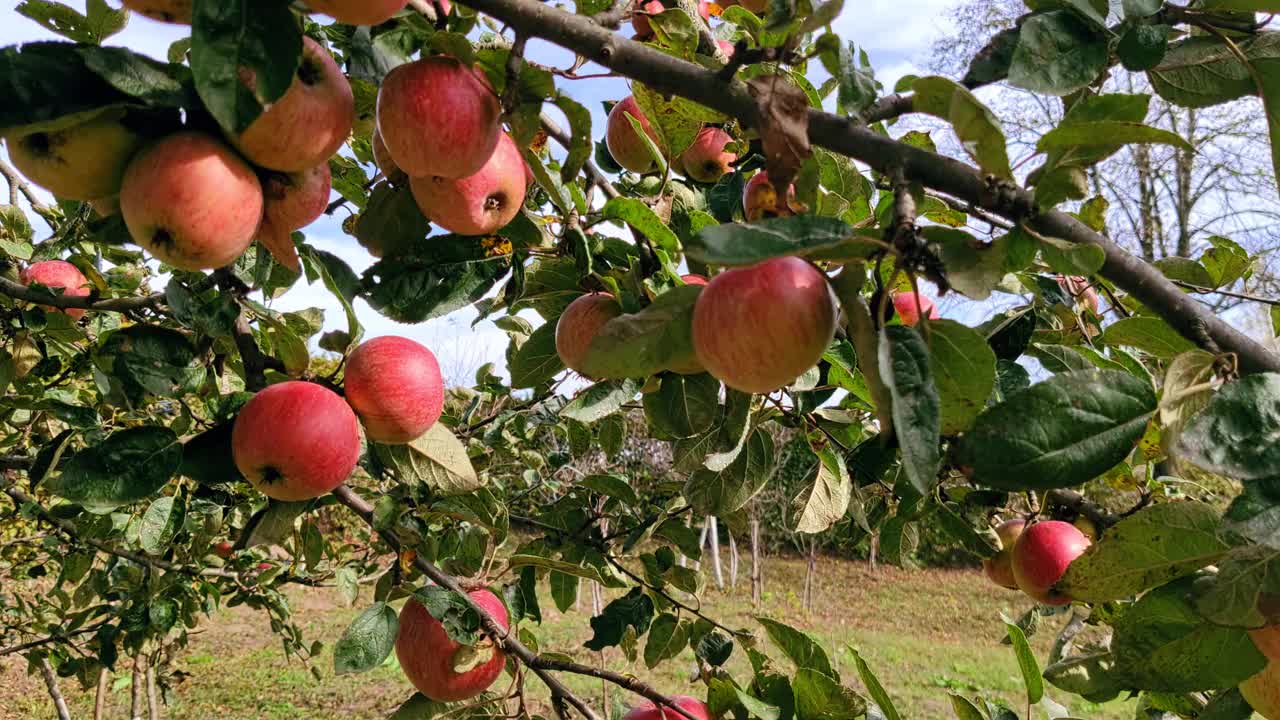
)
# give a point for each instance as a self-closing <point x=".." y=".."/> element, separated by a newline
<point x="706" y="160"/>
<point x="580" y="323"/>
<point x="1262" y="691"/>
<point x="1042" y="555"/>
<point x="760" y="199"/>
<point x="1080" y="290"/>
<point x="648" y="710"/>
<point x="481" y="203"/>
<point x="58" y="274"/>
<point x="625" y="144"/>
<point x="394" y="384"/>
<point x="999" y="567"/>
<point x="85" y="161"/>
<point x="640" y="20"/>
<point x="439" y="667"/>
<point x="306" y="126"/>
<point x="171" y="11"/>
<point x="191" y="201"/>
<point x="358" y="12"/>
<point x="438" y="117"/>
<point x="757" y="328"/>
<point x="296" y="441"/>
<point x="912" y="306"/>
<point x="292" y="202"/>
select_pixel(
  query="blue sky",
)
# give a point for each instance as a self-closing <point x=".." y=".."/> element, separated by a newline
<point x="896" y="48"/>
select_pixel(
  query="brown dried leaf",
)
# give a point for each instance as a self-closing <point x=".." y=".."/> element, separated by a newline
<point x="783" y="111"/>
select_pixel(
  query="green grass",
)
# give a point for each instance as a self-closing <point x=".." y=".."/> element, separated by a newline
<point x="924" y="633"/>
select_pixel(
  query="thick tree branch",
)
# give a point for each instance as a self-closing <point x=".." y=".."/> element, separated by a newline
<point x="22" y="292"/>
<point x="671" y="75"/>
<point x="51" y="683"/>
<point x="541" y="666"/>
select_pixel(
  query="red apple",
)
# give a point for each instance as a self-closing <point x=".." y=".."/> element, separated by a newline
<point x="292" y="202"/>
<point x="640" y="20"/>
<point x="438" y="117"/>
<point x="359" y="12"/>
<point x="306" y="126"/>
<point x="394" y="384"/>
<point x="647" y="710"/>
<point x="1080" y="290"/>
<point x="999" y="567"/>
<point x="580" y="323"/>
<point x="382" y="158"/>
<point x="760" y="199"/>
<point x="910" y="306"/>
<point x="1042" y="555"/>
<point x="83" y="162"/>
<point x="224" y="549"/>
<point x="478" y="204"/>
<point x="191" y="201"/>
<point x="706" y="159"/>
<point x="757" y="328"/>
<point x="58" y="274"/>
<point x="624" y="143"/>
<point x="1262" y="691"/>
<point x="704" y="10"/>
<point x="296" y="441"/>
<point x="726" y="47"/>
<point x="431" y="660"/>
<point x="693" y="279"/>
<point x="172" y="11"/>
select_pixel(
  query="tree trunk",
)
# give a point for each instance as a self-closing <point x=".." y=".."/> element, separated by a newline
<point x="51" y="682"/>
<point x="875" y="550"/>
<point x="733" y="560"/>
<point x="138" y="688"/>
<point x="713" y="540"/>
<point x="807" y="603"/>
<point x="702" y="544"/>
<point x="153" y="696"/>
<point x="100" y="699"/>
<point x="757" y="573"/>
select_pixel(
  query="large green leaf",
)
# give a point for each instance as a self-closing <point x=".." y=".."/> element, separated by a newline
<point x="964" y="372"/>
<point x="637" y="214"/>
<point x="822" y="697"/>
<point x="129" y="466"/>
<point x="1149" y="548"/>
<point x="658" y="337"/>
<point x="725" y="490"/>
<point x="230" y="38"/>
<point x="801" y="649"/>
<point x="1031" y="679"/>
<point x="600" y="400"/>
<point x="634" y="610"/>
<point x="684" y="405"/>
<point x="905" y="369"/>
<point x="1161" y="643"/>
<point x="367" y="641"/>
<point x="825" y="500"/>
<point x="1107" y="133"/>
<point x="810" y="236"/>
<point x="536" y="361"/>
<point x="975" y="125"/>
<point x="1238" y="434"/>
<point x="1061" y="432"/>
<point x="1148" y="334"/>
<point x="1057" y="54"/>
<point x="436" y="458"/>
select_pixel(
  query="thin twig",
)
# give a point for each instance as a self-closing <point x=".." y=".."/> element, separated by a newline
<point x="51" y="682"/>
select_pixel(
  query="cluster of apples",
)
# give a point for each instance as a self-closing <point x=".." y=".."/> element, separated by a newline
<point x="1033" y="558"/>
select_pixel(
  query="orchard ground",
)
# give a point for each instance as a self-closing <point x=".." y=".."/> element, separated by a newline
<point x="926" y="633"/>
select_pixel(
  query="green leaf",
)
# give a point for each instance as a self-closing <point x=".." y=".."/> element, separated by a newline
<point x="579" y="137"/>
<point x="963" y="367"/>
<point x="1148" y="334"/>
<point x="367" y="641"/>
<point x="974" y="268"/>
<point x="1186" y="270"/>
<point x="905" y="369"/>
<point x="964" y="709"/>
<point x="100" y="22"/>
<point x="675" y="31"/>
<point x="1201" y="71"/>
<point x="658" y="337"/>
<point x="1143" y="47"/>
<point x="684" y="405"/>
<point x="1027" y="664"/>
<point x="413" y="289"/>
<point x="726" y="490"/>
<point x="801" y="649"/>
<point x="874" y="688"/>
<point x="810" y="236"/>
<point x="276" y="522"/>
<point x="419" y="707"/>
<point x="229" y="38"/>
<point x="825" y="499"/>
<point x="1068" y="258"/>
<point x="129" y="466"/>
<point x="822" y="697"/>
<point x="634" y="610"/>
<point x="1057" y="54"/>
<point x="756" y="708"/>
<point x="436" y="458"/>
<point x="1161" y="643"/>
<point x="391" y="221"/>
<point x="1141" y="8"/>
<point x="1238" y="434"/>
<point x="600" y="400"/>
<point x="1061" y="432"/>
<point x="159" y="524"/>
<point x="676" y="120"/>
<point x="536" y="361"/>
<point x="637" y="214"/>
<point x="1107" y="133"/>
<point x="461" y="622"/>
<point x="975" y="125"/>
<point x="667" y="638"/>
<point x="714" y="648"/>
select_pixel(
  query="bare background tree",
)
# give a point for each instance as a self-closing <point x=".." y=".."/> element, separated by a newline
<point x="1163" y="202"/>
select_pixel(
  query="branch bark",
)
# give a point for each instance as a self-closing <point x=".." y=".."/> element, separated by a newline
<point x="22" y="292"/>
<point x="51" y="682"/>
<point x="671" y="75"/>
<point x="543" y="667"/>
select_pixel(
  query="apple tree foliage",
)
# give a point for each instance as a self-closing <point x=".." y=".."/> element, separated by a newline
<point x="116" y="427"/>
